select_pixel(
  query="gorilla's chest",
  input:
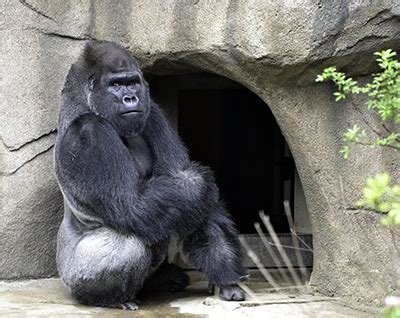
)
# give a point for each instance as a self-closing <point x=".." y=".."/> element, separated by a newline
<point x="141" y="155"/>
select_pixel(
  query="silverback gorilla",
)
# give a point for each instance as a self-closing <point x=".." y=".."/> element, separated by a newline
<point x="128" y="187"/>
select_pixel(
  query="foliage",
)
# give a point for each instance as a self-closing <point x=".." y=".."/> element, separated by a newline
<point x="384" y="99"/>
<point x="384" y="93"/>
<point x="392" y="309"/>
<point x="380" y="196"/>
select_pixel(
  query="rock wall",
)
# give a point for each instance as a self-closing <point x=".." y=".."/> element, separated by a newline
<point x="275" y="48"/>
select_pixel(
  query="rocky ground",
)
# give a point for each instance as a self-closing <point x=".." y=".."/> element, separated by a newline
<point x="48" y="297"/>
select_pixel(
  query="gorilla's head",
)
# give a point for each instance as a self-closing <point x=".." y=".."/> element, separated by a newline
<point x="116" y="89"/>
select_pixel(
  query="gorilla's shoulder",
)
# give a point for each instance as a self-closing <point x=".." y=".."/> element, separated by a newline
<point x="89" y="124"/>
<point x="87" y="121"/>
<point x="87" y="131"/>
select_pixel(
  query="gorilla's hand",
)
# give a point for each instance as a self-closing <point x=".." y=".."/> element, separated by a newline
<point x="191" y="183"/>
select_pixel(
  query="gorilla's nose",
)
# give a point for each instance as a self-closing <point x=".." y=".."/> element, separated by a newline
<point x="130" y="101"/>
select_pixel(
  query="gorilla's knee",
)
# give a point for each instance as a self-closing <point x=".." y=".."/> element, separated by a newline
<point x="107" y="250"/>
<point x="107" y="268"/>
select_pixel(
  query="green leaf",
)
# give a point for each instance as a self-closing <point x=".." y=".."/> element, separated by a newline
<point x="345" y="151"/>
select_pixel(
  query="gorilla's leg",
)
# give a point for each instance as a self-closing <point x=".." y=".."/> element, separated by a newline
<point x="214" y="250"/>
<point x="107" y="269"/>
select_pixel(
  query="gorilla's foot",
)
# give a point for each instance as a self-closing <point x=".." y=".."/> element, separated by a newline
<point x="173" y="278"/>
<point x="168" y="277"/>
<point x="232" y="293"/>
<point x="179" y="279"/>
<point x="126" y="306"/>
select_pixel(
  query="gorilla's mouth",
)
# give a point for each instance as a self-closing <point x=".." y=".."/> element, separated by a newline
<point x="131" y="112"/>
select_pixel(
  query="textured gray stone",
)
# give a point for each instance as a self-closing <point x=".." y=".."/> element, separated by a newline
<point x="275" y="48"/>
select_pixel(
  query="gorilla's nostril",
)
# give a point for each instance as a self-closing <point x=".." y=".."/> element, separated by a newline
<point x="128" y="100"/>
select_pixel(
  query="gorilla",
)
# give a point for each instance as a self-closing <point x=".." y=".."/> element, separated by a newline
<point x="129" y="186"/>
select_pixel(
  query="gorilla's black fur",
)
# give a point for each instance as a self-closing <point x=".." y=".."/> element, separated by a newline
<point x="128" y="186"/>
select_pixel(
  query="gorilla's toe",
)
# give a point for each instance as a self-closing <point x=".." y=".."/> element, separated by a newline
<point x="129" y="306"/>
<point x="125" y="306"/>
<point x="232" y="293"/>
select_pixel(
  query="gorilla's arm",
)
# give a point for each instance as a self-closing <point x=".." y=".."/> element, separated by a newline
<point x="169" y="151"/>
<point x="171" y="154"/>
<point x="99" y="177"/>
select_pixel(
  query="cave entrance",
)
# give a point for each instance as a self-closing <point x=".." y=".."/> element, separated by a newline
<point x="229" y="128"/>
<point x="233" y="132"/>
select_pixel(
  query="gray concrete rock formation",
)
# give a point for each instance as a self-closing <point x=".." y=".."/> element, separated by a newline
<point x="274" y="48"/>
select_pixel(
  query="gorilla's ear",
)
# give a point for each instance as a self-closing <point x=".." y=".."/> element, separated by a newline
<point x="92" y="81"/>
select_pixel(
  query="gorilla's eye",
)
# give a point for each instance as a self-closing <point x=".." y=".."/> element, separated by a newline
<point x="133" y="83"/>
<point x="115" y="84"/>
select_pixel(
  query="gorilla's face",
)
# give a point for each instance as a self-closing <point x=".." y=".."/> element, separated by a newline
<point x="118" y="92"/>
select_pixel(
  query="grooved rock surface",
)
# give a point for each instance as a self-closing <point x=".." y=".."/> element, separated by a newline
<point x="274" y="48"/>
